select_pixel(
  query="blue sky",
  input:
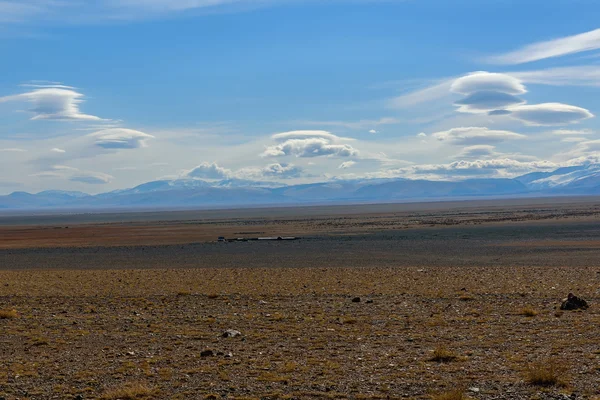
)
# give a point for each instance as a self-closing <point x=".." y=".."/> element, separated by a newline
<point x="102" y="97"/>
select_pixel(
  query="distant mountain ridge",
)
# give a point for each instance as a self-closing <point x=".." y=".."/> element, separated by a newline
<point x="577" y="180"/>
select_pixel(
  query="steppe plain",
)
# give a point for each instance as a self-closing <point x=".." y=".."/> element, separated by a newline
<point x="457" y="300"/>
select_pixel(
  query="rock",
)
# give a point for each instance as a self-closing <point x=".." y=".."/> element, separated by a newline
<point x="369" y="301"/>
<point x="78" y="397"/>
<point x="356" y="300"/>
<point x="231" y="333"/>
<point x="207" y="353"/>
<point x="573" y="302"/>
<point x="474" y="389"/>
<point x="229" y="355"/>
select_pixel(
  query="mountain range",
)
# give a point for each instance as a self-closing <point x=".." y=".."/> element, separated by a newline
<point x="187" y="193"/>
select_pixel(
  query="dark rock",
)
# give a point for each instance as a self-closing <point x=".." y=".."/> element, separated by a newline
<point x="573" y="302"/>
<point x="207" y="353"/>
<point x="356" y="300"/>
<point x="78" y="397"/>
<point x="369" y="301"/>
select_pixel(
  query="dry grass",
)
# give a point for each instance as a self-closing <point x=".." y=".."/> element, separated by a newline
<point x="457" y="394"/>
<point x="442" y="354"/>
<point x="8" y="314"/>
<point x="129" y="391"/>
<point x="546" y="373"/>
<point x="528" y="312"/>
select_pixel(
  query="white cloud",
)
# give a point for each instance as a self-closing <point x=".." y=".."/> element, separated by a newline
<point x="469" y="136"/>
<point x="281" y="137"/>
<point x="275" y="170"/>
<point x="360" y="124"/>
<point x="57" y="150"/>
<point x="477" y="152"/>
<point x="373" y="131"/>
<point x="573" y="139"/>
<point x="550" y="114"/>
<point x="572" y="132"/>
<point x="308" y="144"/>
<point x="488" y="92"/>
<point x="583" y="75"/>
<point x="119" y="138"/>
<point x="551" y="48"/>
<point x="434" y="92"/>
<point x="483" y="81"/>
<point x="73" y="174"/>
<point x="347" y="164"/>
<point x="422" y="135"/>
<point x="210" y="171"/>
<point x="53" y="103"/>
<point x="92" y="178"/>
<point x="13" y="150"/>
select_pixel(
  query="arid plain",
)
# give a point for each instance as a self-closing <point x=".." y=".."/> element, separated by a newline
<point x="426" y="301"/>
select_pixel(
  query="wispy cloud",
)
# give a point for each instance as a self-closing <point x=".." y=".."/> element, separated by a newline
<point x="559" y="47"/>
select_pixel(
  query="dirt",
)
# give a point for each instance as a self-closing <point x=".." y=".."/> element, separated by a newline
<point x="100" y="317"/>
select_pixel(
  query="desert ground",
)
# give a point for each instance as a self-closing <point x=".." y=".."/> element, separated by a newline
<point x="426" y="301"/>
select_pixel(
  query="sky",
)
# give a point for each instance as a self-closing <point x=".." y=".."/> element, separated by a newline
<point x="101" y="97"/>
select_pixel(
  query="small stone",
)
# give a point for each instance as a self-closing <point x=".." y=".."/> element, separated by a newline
<point x="231" y="333"/>
<point x="356" y="300"/>
<point x="78" y="397"/>
<point x="369" y="301"/>
<point x="474" y="389"/>
<point x="229" y="355"/>
<point x="207" y="353"/>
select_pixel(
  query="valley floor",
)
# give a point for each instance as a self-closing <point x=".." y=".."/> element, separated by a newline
<point x="146" y="320"/>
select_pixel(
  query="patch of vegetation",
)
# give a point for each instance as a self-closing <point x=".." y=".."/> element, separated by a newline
<point x="546" y="373"/>
<point x="129" y="391"/>
<point x="528" y="312"/>
<point x="8" y="314"/>
<point x="456" y="394"/>
<point x="442" y="354"/>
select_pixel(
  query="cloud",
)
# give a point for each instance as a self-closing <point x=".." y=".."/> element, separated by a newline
<point x="422" y="135"/>
<point x="583" y="75"/>
<point x="52" y="103"/>
<point x="373" y="131"/>
<point x="499" y="112"/>
<point x="550" y="114"/>
<point x="549" y="49"/>
<point x="57" y="150"/>
<point x="119" y="138"/>
<point x="488" y="92"/>
<point x="470" y="136"/>
<point x="492" y="168"/>
<point x="74" y="175"/>
<point x="483" y="81"/>
<point x="307" y="144"/>
<point x="210" y="171"/>
<point x="572" y="132"/>
<point x="13" y="150"/>
<point x="361" y="124"/>
<point x="275" y="170"/>
<point x="477" y="152"/>
<point x="281" y="137"/>
<point x="488" y="101"/>
<point x="436" y="91"/>
<point x="347" y="164"/>
<point x="92" y="178"/>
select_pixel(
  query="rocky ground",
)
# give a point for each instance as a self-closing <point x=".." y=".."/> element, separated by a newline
<point x="444" y="312"/>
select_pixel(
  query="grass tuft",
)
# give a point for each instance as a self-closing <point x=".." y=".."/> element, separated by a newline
<point x="129" y="391"/>
<point x="456" y="394"/>
<point x="8" y="314"/>
<point x="442" y="354"/>
<point x="528" y="312"/>
<point x="548" y="373"/>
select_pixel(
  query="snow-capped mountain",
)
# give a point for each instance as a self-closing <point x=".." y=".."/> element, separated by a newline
<point x="578" y="180"/>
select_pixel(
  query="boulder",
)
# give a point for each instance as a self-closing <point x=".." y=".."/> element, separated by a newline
<point x="573" y="302"/>
<point x="231" y="333"/>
